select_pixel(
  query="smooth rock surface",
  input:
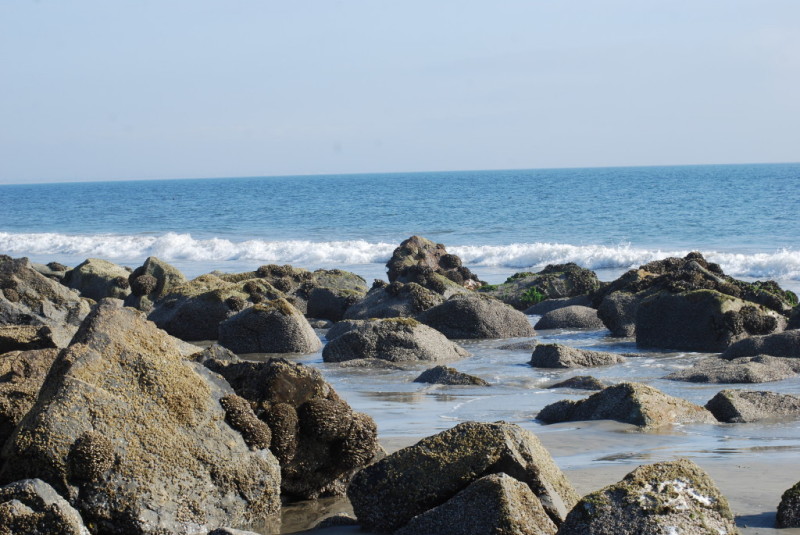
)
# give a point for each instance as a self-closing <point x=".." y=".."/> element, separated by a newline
<point x="561" y="356"/>
<point x="476" y="316"/>
<point x="270" y="327"/>
<point x="570" y="317"/>
<point x="97" y="279"/>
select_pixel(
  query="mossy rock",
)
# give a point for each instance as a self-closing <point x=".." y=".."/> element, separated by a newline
<point x="270" y="327"/>
<point x="522" y="290"/>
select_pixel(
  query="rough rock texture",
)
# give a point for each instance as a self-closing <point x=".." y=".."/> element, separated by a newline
<point x="580" y="382"/>
<point x="388" y="494"/>
<point x="543" y="307"/>
<point x="522" y="290"/>
<point x="32" y="507"/>
<point x="231" y="531"/>
<point x="98" y="279"/>
<point x="675" y="497"/>
<point x="392" y="339"/>
<point x="571" y="317"/>
<point x="785" y="344"/>
<point x="496" y="504"/>
<point x="271" y="327"/>
<point x="476" y="316"/>
<point x="758" y="369"/>
<point x="29" y="298"/>
<point x="318" y="439"/>
<point x="25" y="337"/>
<point x="393" y="301"/>
<point x="617" y="311"/>
<point x="52" y="270"/>
<point x="561" y="356"/>
<point x="701" y="320"/>
<point x="631" y="403"/>
<point x="789" y="509"/>
<point x="331" y="303"/>
<point x="339" y="519"/>
<point x="135" y="438"/>
<point x="442" y="375"/>
<point x="21" y="376"/>
<point x="527" y="345"/>
<point x="417" y="252"/>
<point x="741" y="406"/>
<point x="151" y="281"/>
<point x="194" y="310"/>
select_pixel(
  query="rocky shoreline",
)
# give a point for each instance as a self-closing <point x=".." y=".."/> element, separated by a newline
<point x="113" y="422"/>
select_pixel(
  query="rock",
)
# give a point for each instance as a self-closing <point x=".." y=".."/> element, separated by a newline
<point x="742" y="406"/>
<point x="561" y="356"/>
<point x="392" y="339"/>
<point x="21" y="376"/>
<point x="272" y="327"/>
<point x="318" y="439"/>
<point x="394" y="301"/>
<point x="194" y="310"/>
<point x="663" y="498"/>
<point x="758" y="369"/>
<point x="617" y="311"/>
<point x="417" y="252"/>
<point x="231" y="531"/>
<point x="29" y="298"/>
<point x="476" y="316"/>
<point x="330" y="303"/>
<point x="52" y="270"/>
<point x="337" y="520"/>
<point x="496" y="504"/>
<point x="571" y="317"/>
<point x="32" y="507"/>
<point x="388" y="494"/>
<point x="548" y="305"/>
<point x="528" y="345"/>
<point x="789" y="509"/>
<point x="25" y="337"/>
<point x="135" y="437"/>
<point x="442" y="375"/>
<point x="214" y="352"/>
<point x="785" y="344"/>
<point x="701" y="320"/>
<point x="631" y="403"/>
<point x="580" y="382"/>
<point x="98" y="279"/>
<point x="322" y="325"/>
<point x="794" y="318"/>
<point x="523" y="290"/>
<point x="151" y="281"/>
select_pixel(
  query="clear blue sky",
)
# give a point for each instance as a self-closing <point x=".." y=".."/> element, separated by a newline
<point x="101" y="90"/>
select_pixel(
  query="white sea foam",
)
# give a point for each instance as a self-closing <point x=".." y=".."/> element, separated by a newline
<point x="782" y="264"/>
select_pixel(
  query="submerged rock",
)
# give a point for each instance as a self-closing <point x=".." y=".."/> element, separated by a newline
<point x="271" y="327"/>
<point x="527" y="345"/>
<point x="390" y="493"/>
<point x="785" y="344"/>
<point x="476" y="316"/>
<point x="416" y="258"/>
<point x="657" y="499"/>
<point x="570" y="317"/>
<point x="631" y="403"/>
<point x="758" y="369"/>
<point x="442" y="375"/>
<point x="32" y="507"/>
<point x="523" y="290"/>
<point x="97" y="279"/>
<point x="561" y="356"/>
<point x="741" y="406"/>
<point x="580" y="382"/>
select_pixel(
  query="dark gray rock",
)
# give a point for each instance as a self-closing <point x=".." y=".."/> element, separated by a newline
<point x="571" y="317"/>
<point x="496" y="504"/>
<point x="392" y="339"/>
<point x="785" y="344"/>
<point x="758" y="369"/>
<point x="271" y="327"/>
<point x="789" y="509"/>
<point x="417" y="258"/>
<point x="580" y="382"/>
<point x="388" y="494"/>
<point x="741" y="406"/>
<point x="394" y="301"/>
<point x="476" y="316"/>
<point x="632" y="403"/>
<point x="337" y="520"/>
<point x="32" y="507"/>
<point x="548" y="305"/>
<point x="528" y="345"/>
<point x="231" y="531"/>
<point x="617" y="311"/>
<point x="442" y="375"/>
<point x="97" y="279"/>
<point x="331" y="303"/>
<point x="523" y="290"/>
<point x="151" y="281"/>
<point x="214" y="352"/>
<point x="561" y="356"/>
<point x="25" y="337"/>
<point x="663" y="498"/>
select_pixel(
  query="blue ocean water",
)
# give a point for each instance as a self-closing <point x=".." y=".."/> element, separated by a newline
<point x="742" y="216"/>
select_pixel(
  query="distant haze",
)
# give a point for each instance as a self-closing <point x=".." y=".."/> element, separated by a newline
<point x="99" y="90"/>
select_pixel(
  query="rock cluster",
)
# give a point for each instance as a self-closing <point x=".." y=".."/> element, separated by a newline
<point x="418" y="260"/>
<point x="523" y="290"/>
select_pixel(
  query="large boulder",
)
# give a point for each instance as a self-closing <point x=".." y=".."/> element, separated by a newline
<point x="393" y="301"/>
<point x="151" y="281"/>
<point x="571" y="317"/>
<point x="32" y="507"/>
<point x="140" y="440"/>
<point x="496" y="504"/>
<point x="97" y="279"/>
<point x="331" y="303"/>
<point x="271" y="327"/>
<point x="442" y="375"/>
<point x="631" y="403"/>
<point x="390" y="493"/>
<point x="29" y="298"/>
<point x="701" y="320"/>
<point x="789" y="509"/>
<point x="785" y="344"/>
<point x="392" y="339"/>
<point x="758" y="369"/>
<point x="561" y="356"/>
<point x="742" y="406"/>
<point x="25" y="337"/>
<point x="523" y="290"/>
<point x="416" y="258"/>
<point x="476" y="316"/>
<point x="318" y="439"/>
<point x="617" y="311"/>
<point x="674" y="497"/>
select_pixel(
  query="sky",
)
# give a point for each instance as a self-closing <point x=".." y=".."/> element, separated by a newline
<point x="99" y="90"/>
